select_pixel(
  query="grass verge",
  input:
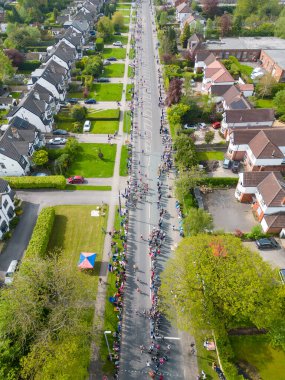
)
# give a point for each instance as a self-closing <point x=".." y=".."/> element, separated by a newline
<point x="123" y="161"/>
<point x="119" y="53"/>
<point x="104" y="126"/>
<point x="88" y="188"/>
<point x="130" y="88"/>
<point x="207" y="156"/>
<point x="89" y="165"/>
<point x="107" y="92"/>
<point x="127" y="122"/>
<point x="116" y="70"/>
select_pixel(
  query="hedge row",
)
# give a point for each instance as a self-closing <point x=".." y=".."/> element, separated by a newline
<point x="219" y="181"/>
<point x="55" y="182"/>
<point x="30" y="65"/>
<point x="41" y="234"/>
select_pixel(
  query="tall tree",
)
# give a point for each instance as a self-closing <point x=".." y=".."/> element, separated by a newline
<point x="225" y="24"/>
<point x="186" y="154"/>
<point x="265" y="86"/>
<point x="118" y="21"/>
<point x="210" y="7"/>
<point x="197" y="221"/>
<point x="105" y="27"/>
<point x="174" y="92"/>
<point x="279" y="102"/>
<point x="6" y="68"/>
<point x="185" y="35"/>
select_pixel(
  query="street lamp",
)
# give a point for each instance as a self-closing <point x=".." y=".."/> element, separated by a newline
<point x="105" y="335"/>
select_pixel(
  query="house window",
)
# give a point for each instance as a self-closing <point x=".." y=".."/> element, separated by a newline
<point x="5" y="204"/>
<point x="3" y="227"/>
<point x="10" y="212"/>
<point x="2" y="166"/>
<point x="230" y="151"/>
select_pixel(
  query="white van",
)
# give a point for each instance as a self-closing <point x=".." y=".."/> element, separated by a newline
<point x="87" y="126"/>
<point x="10" y="272"/>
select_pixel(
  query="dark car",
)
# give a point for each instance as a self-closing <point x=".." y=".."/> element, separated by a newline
<point x="90" y="101"/>
<point x="267" y="243"/>
<point x="111" y="59"/>
<point x="117" y="33"/>
<point x="92" y="32"/>
<point x="76" y="179"/>
<point x="60" y="132"/>
<point x="72" y="100"/>
<point x="235" y="166"/>
<point x="103" y="80"/>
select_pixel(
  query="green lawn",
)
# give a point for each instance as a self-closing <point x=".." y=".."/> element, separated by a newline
<point x="125" y="12"/>
<point x="205" y="358"/>
<point x="73" y="237"/>
<point x="123" y="39"/>
<point x="207" y="156"/>
<point x="131" y="72"/>
<point x="115" y="70"/>
<point x="127" y="122"/>
<point x="15" y="94"/>
<point x="88" y="187"/>
<point x="122" y="6"/>
<point x="75" y="94"/>
<point x="125" y="28"/>
<point x="88" y="164"/>
<point x="123" y="161"/>
<point x="110" y="114"/>
<point x="104" y="126"/>
<point x="119" y="53"/>
<point x="130" y="88"/>
<point x="264" y="103"/>
<point x="64" y="124"/>
<point x="107" y="92"/>
<point x="255" y="350"/>
<point x="132" y="53"/>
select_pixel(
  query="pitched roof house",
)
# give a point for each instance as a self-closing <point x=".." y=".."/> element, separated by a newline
<point x="202" y="60"/>
<point x="216" y="74"/>
<point x="182" y="10"/>
<point x="62" y="53"/>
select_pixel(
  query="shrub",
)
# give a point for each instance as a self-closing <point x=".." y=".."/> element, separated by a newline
<point x="13" y="223"/>
<point x="29" y="65"/>
<point x="56" y="182"/>
<point x="41" y="234"/>
<point x="78" y="113"/>
<point x="219" y="182"/>
<point x="99" y="44"/>
<point x="256" y="233"/>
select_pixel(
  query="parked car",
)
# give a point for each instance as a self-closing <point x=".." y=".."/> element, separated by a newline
<point x="40" y="175"/>
<point x="87" y="126"/>
<point x="106" y="62"/>
<point x="92" y="32"/>
<point x="103" y="80"/>
<point x="216" y="125"/>
<point x="63" y="104"/>
<point x="227" y="163"/>
<point x="190" y="126"/>
<point x="202" y="125"/>
<point x="76" y="179"/>
<point x="72" y="100"/>
<point x="118" y="43"/>
<point x="267" y="243"/>
<point x="112" y="59"/>
<point x="235" y="166"/>
<point x="90" y="101"/>
<point x="60" y="132"/>
<point x="282" y="275"/>
<point x="11" y="271"/>
<point x="57" y="141"/>
<point x="117" y="33"/>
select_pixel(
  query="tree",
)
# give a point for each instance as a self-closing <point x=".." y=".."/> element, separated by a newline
<point x="225" y="24"/>
<point x="40" y="157"/>
<point x="6" y="69"/>
<point x="78" y="112"/>
<point x="280" y="25"/>
<point x="21" y="36"/>
<point x="72" y="147"/>
<point x="265" y="86"/>
<point x="93" y="65"/>
<point x="186" y="154"/>
<point x="105" y="27"/>
<point x="99" y="44"/>
<point x="174" y="92"/>
<point x="279" y="102"/>
<point x="176" y="113"/>
<point x="197" y="221"/>
<point x="186" y="181"/>
<point x="210" y="7"/>
<point x="163" y="19"/>
<point x="210" y="29"/>
<point x="16" y="57"/>
<point x="118" y="21"/>
<point x="209" y="137"/>
<point x="185" y="35"/>
<point x="215" y="281"/>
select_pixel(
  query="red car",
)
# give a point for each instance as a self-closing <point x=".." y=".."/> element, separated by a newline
<point x="76" y="179"/>
<point x="216" y="125"/>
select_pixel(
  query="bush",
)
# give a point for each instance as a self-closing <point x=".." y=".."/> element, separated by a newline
<point x="55" y="182"/>
<point x="219" y="182"/>
<point x="13" y="223"/>
<point x="256" y="233"/>
<point x="30" y="65"/>
<point x="41" y="234"/>
<point x="99" y="44"/>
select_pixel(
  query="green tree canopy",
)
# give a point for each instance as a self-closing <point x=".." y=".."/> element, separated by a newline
<point x="78" y="112"/>
<point x="185" y="35"/>
<point x="40" y="157"/>
<point x="105" y="27"/>
<point x="92" y="65"/>
<point x="176" y="113"/>
<point x="186" y="154"/>
<point x="118" y="21"/>
<point x="279" y="102"/>
<point x="6" y="68"/>
<point x="197" y="221"/>
<point x="21" y="36"/>
<point x="215" y="281"/>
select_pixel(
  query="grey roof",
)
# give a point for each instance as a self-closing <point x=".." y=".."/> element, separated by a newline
<point x="3" y="186"/>
<point x="43" y="92"/>
<point x="91" y="7"/>
<point x="73" y="36"/>
<point x="250" y="115"/>
<point x="8" y="146"/>
<point x="84" y="15"/>
<point x="278" y="56"/>
<point x="6" y="100"/>
<point x="245" y="43"/>
<point x="81" y="25"/>
<point x="62" y="51"/>
<point x="54" y="73"/>
<point x="32" y="104"/>
<point x="219" y="90"/>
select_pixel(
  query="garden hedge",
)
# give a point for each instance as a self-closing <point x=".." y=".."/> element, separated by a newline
<point x="54" y="182"/>
<point x="219" y="181"/>
<point x="30" y="65"/>
<point x="41" y="233"/>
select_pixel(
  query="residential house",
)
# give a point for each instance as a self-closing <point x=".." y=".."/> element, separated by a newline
<point x="194" y="43"/>
<point x="202" y="60"/>
<point x="85" y="16"/>
<point x="246" y="88"/>
<point x="73" y="38"/>
<point x="233" y="99"/>
<point x="63" y="53"/>
<point x="192" y="19"/>
<point x="216" y="74"/>
<point x="52" y="76"/>
<point x="7" y="207"/>
<point x="266" y="151"/>
<point x="182" y="10"/>
<point x="247" y="118"/>
<point x="34" y="109"/>
<point x="89" y="8"/>
<point x="17" y="144"/>
<point x="7" y="102"/>
<point x="273" y="61"/>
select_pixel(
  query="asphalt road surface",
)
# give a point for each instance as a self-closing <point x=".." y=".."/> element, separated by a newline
<point x="136" y="328"/>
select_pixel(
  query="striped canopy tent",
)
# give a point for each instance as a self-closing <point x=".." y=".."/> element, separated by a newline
<point x="87" y="260"/>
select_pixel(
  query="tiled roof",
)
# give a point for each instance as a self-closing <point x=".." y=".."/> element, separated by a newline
<point x="272" y="190"/>
<point x="253" y="179"/>
<point x="265" y="146"/>
<point x="250" y="116"/>
<point x="3" y="186"/>
<point x="275" y="220"/>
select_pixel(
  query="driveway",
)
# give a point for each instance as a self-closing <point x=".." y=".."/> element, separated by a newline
<point x="275" y="257"/>
<point x="21" y="236"/>
<point x="228" y="213"/>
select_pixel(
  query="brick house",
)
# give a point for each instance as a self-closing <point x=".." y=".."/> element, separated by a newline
<point x="273" y="61"/>
<point x="266" y="191"/>
<point x="216" y="74"/>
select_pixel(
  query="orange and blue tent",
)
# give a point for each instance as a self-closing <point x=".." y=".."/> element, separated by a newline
<point x="87" y="260"/>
